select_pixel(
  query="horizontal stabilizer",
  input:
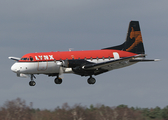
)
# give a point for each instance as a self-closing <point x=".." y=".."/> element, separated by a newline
<point x="144" y="60"/>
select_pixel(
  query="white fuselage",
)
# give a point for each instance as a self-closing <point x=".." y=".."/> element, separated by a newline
<point x="47" y="67"/>
<point x="35" y="67"/>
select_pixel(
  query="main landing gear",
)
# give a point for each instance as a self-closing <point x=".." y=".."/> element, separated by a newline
<point x="58" y="80"/>
<point x="91" y="80"/>
<point x="32" y="82"/>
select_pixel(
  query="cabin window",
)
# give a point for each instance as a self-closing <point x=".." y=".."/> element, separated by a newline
<point x="103" y="58"/>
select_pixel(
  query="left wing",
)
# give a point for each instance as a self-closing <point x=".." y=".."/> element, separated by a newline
<point x="14" y="58"/>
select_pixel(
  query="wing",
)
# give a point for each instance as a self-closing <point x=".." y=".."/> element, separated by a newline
<point x="14" y="58"/>
<point x="98" y="68"/>
<point x="110" y="63"/>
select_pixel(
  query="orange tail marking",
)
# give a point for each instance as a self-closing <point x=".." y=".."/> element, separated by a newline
<point x="138" y="38"/>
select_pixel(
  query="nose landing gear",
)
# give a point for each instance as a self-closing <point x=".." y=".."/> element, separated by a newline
<point x="32" y="82"/>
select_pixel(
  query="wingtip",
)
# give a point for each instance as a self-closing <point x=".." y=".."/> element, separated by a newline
<point x="9" y="57"/>
<point x="157" y="59"/>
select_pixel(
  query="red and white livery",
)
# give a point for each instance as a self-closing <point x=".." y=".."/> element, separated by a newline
<point x="84" y="63"/>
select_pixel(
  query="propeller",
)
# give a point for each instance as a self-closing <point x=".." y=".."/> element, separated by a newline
<point x="62" y="66"/>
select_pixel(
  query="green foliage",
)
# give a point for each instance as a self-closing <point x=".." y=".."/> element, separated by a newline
<point x="91" y="107"/>
<point x="165" y="113"/>
<point x="122" y="106"/>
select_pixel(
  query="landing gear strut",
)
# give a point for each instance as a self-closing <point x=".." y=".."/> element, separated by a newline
<point x="58" y="80"/>
<point x="32" y="82"/>
<point x="91" y="80"/>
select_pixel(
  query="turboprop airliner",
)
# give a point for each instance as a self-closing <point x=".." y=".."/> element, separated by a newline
<point x="83" y="63"/>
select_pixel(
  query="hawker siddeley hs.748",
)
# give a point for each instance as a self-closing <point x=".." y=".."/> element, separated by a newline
<point x="84" y="63"/>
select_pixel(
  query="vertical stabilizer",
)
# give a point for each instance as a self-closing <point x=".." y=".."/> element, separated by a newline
<point x="133" y="41"/>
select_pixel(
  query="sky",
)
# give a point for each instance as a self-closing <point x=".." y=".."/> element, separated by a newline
<point x="57" y="25"/>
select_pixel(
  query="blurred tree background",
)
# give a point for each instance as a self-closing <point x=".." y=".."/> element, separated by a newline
<point x="18" y="110"/>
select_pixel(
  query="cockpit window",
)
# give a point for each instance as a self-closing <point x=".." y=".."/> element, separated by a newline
<point x="23" y="58"/>
<point x="27" y="59"/>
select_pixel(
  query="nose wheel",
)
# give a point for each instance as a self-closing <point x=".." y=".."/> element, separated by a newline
<point x="32" y="82"/>
<point x="91" y="80"/>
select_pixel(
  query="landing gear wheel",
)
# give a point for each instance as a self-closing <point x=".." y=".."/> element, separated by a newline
<point x="32" y="83"/>
<point x="91" y="80"/>
<point x="58" y="80"/>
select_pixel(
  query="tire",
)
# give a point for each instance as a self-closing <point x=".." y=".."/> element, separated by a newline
<point x="91" y="80"/>
<point x="32" y="83"/>
<point x="58" y="80"/>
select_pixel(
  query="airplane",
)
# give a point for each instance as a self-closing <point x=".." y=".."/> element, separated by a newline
<point x="83" y="63"/>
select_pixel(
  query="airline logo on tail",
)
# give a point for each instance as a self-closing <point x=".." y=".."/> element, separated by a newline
<point x="137" y="36"/>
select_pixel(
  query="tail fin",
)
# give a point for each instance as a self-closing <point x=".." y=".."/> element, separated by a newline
<point x="133" y="41"/>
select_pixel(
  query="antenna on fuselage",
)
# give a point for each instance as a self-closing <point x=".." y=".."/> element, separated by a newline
<point x="70" y="49"/>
